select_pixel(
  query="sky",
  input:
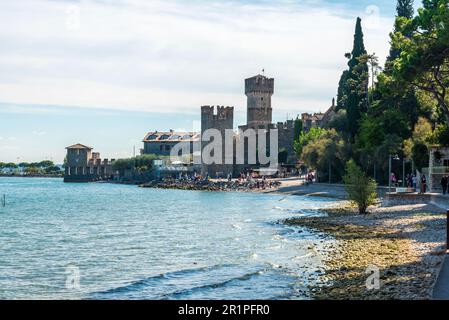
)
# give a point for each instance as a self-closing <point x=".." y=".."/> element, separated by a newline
<point x="105" y="72"/>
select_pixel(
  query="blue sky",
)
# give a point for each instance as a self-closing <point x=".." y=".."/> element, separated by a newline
<point x="103" y="73"/>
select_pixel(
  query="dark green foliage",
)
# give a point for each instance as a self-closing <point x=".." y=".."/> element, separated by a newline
<point x="282" y="156"/>
<point x="140" y="163"/>
<point x="343" y="91"/>
<point x="441" y="135"/>
<point x="361" y="189"/>
<point x="298" y="128"/>
<point x="357" y="83"/>
<point x="420" y="155"/>
<point x="405" y="9"/>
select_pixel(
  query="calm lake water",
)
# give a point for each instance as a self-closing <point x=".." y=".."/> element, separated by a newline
<point x="133" y="243"/>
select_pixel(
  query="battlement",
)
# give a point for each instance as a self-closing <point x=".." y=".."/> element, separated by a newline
<point x="259" y="83"/>
<point x="288" y="125"/>
<point x="222" y="113"/>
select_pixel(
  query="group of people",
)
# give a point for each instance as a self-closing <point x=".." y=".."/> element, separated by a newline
<point x="412" y="182"/>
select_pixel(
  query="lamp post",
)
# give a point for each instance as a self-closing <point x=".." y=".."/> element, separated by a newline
<point x="403" y="172"/>
<point x="391" y="157"/>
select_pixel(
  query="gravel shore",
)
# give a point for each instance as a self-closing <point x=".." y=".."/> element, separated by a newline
<point x="406" y="243"/>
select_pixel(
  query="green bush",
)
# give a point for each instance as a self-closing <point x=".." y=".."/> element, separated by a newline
<point x="360" y="188"/>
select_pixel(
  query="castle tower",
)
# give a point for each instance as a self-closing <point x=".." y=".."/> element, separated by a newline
<point x="221" y="121"/>
<point x="259" y="90"/>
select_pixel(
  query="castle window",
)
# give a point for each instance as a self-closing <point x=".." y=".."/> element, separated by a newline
<point x="261" y="98"/>
<point x="167" y="147"/>
<point x="161" y="147"/>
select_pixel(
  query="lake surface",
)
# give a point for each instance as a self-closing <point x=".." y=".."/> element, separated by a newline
<point x="106" y="241"/>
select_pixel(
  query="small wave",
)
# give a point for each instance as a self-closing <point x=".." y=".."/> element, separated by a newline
<point x="216" y="285"/>
<point x="147" y="281"/>
<point x="280" y="208"/>
<point x="302" y="257"/>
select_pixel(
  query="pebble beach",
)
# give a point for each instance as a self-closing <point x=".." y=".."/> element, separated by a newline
<point x="406" y="243"/>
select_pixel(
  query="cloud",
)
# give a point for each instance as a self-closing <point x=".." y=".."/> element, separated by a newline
<point x="39" y="133"/>
<point x="174" y="56"/>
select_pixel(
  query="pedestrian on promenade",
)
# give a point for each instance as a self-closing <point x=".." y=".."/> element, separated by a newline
<point x="423" y="184"/>
<point x="414" y="182"/>
<point x="444" y="181"/>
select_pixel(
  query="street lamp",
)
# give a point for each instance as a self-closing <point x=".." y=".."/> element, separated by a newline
<point x="396" y="157"/>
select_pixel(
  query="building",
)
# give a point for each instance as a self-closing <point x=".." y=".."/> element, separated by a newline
<point x="438" y="167"/>
<point x="222" y="120"/>
<point x="318" y="120"/>
<point x="83" y="165"/>
<point x="161" y="143"/>
<point x="258" y="90"/>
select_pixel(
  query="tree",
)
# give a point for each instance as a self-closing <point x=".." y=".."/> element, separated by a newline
<point x="45" y="164"/>
<point x="298" y="128"/>
<point x="327" y="153"/>
<point x="52" y="170"/>
<point x="305" y="138"/>
<point x="404" y="9"/>
<point x="32" y="170"/>
<point x="357" y="82"/>
<point x="420" y="155"/>
<point x="424" y="45"/>
<point x="283" y="155"/>
<point x="361" y="189"/>
<point x="343" y="91"/>
<point x="141" y="163"/>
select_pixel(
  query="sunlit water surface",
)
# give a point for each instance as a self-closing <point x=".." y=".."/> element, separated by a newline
<point x="133" y="243"/>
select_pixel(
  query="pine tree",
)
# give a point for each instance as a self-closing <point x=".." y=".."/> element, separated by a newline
<point x="357" y="81"/>
<point x="404" y="9"/>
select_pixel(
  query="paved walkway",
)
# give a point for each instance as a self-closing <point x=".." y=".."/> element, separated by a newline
<point x="441" y="289"/>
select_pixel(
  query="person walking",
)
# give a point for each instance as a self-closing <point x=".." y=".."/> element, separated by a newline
<point x="423" y="184"/>
<point x="393" y="179"/>
<point x="444" y="181"/>
<point x="414" y="182"/>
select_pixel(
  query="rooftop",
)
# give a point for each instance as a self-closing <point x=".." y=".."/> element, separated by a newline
<point x="79" y="146"/>
<point x="171" y="136"/>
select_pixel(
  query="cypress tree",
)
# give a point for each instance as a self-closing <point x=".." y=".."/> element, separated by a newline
<point x="298" y="128"/>
<point x="342" y="94"/>
<point x="359" y="46"/>
<point x="357" y="81"/>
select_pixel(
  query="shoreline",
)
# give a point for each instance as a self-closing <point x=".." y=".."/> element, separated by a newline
<point x="31" y="176"/>
<point x="406" y="243"/>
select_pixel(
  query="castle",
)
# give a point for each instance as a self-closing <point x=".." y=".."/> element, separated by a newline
<point x="83" y="165"/>
<point x="259" y="90"/>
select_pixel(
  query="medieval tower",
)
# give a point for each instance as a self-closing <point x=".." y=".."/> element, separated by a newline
<point x="223" y="120"/>
<point x="259" y="90"/>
